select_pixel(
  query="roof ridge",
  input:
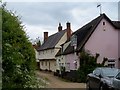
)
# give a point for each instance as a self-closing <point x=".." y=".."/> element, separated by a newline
<point x="56" y="33"/>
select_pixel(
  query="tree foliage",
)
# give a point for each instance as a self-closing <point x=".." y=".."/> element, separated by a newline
<point x="87" y="65"/>
<point x="18" y="56"/>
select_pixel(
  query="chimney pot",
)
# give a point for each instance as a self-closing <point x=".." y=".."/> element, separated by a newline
<point x="45" y="36"/>
<point x="59" y="27"/>
<point x="68" y="25"/>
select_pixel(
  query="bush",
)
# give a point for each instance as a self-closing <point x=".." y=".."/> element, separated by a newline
<point x="87" y="65"/>
<point x="18" y="56"/>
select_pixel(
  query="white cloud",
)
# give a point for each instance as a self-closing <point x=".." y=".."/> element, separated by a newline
<point x="37" y="31"/>
<point x="39" y="17"/>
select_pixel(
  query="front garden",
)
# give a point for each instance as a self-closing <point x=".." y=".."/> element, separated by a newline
<point x="87" y="65"/>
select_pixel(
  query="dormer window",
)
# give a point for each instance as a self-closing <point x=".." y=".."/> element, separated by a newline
<point x="52" y="50"/>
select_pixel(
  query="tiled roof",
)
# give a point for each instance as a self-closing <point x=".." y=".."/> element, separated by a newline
<point x="68" y="50"/>
<point x="86" y="31"/>
<point x="52" y="41"/>
<point x="117" y="24"/>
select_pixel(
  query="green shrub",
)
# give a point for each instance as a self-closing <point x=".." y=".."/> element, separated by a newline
<point x="18" y="56"/>
<point x="87" y="65"/>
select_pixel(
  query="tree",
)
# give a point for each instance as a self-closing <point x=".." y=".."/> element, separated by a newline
<point x="18" y="56"/>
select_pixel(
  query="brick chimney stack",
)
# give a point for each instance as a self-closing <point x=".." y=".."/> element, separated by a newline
<point x="68" y="30"/>
<point x="59" y="27"/>
<point x="45" y="36"/>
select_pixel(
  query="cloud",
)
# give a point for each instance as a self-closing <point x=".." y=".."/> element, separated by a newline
<point x="39" y="17"/>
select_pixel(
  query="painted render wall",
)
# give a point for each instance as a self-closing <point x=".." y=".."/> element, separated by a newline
<point x="48" y="54"/>
<point x="60" y="60"/>
<point x="64" y="60"/>
<point x="67" y="60"/>
<point x="48" y="64"/>
<point x="70" y="58"/>
<point x="104" y="41"/>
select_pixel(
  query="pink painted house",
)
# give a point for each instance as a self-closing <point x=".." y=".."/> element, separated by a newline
<point x="101" y="36"/>
<point x="67" y="58"/>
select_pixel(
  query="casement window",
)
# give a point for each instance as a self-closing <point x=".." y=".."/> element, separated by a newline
<point x="62" y="64"/>
<point x="54" y="64"/>
<point x="52" y="50"/>
<point x="59" y="60"/>
<point x="104" y="26"/>
<point x="42" y="63"/>
<point x="68" y="66"/>
<point x="46" y="63"/>
<point x="103" y="23"/>
<point x="75" y="65"/>
<point x="59" y="64"/>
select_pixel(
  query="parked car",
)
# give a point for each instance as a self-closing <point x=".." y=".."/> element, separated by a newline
<point x="116" y="82"/>
<point x="101" y="78"/>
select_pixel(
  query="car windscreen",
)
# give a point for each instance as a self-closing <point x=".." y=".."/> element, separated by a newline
<point x="109" y="72"/>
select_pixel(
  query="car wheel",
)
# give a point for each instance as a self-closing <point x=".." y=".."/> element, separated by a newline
<point x="88" y="86"/>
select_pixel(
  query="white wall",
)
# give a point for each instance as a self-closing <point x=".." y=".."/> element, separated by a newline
<point x="48" y="64"/>
<point x="59" y="61"/>
<point x="49" y="54"/>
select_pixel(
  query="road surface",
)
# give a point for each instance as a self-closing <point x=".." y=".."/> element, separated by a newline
<point x="56" y="82"/>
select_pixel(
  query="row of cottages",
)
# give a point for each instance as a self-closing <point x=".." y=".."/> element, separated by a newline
<point x="100" y="37"/>
<point x="51" y="46"/>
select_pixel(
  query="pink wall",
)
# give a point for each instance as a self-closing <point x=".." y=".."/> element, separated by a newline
<point x="104" y="42"/>
<point x="70" y="59"/>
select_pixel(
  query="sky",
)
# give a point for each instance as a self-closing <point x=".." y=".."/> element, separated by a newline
<point x="39" y="17"/>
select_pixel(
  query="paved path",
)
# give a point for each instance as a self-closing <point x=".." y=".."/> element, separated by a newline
<point x="56" y="82"/>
